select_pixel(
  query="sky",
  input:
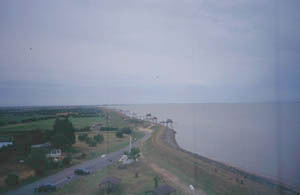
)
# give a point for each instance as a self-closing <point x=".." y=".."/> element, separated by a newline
<point x="148" y="51"/>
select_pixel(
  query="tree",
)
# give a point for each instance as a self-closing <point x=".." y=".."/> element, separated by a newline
<point x="119" y="134"/>
<point x="65" y="127"/>
<point x="134" y="153"/>
<point x="91" y="142"/>
<point x="155" y="119"/>
<point x="83" y="137"/>
<point x="12" y="179"/>
<point x="60" y="141"/>
<point x="37" y="160"/>
<point x="169" y="121"/>
<point x="67" y="160"/>
<point x="148" y="116"/>
<point x="126" y="130"/>
<point x="98" y="138"/>
<point x="155" y="179"/>
<point x="63" y="134"/>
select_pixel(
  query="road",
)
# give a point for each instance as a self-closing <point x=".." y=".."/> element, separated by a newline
<point x="67" y="175"/>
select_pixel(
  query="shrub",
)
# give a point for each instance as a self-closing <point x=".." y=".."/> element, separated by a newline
<point x="91" y="142"/>
<point x="134" y="153"/>
<point x="37" y="160"/>
<point x="119" y="134"/>
<point x="99" y="138"/>
<point x="67" y="160"/>
<point x="52" y="164"/>
<point x="126" y="130"/>
<point x="108" y="129"/>
<point x="83" y="137"/>
<point x="12" y="179"/>
<point x="85" y="129"/>
<point x="83" y="155"/>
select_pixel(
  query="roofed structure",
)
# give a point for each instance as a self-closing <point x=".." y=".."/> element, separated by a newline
<point x="110" y="184"/>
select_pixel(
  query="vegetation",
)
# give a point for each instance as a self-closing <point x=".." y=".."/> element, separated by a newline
<point x="119" y="134"/>
<point x="126" y="130"/>
<point x="12" y="179"/>
<point x="37" y="160"/>
<point x="133" y="154"/>
<point x="155" y="179"/>
<point x="63" y="134"/>
<point x="98" y="138"/>
<point x="109" y="129"/>
<point x="9" y="116"/>
<point x="129" y="183"/>
<point x="82" y="137"/>
<point x="67" y="160"/>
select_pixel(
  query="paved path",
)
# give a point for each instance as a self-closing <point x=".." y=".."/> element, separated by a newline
<point x="67" y="175"/>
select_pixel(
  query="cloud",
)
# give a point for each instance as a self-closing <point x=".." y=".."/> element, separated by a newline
<point x="156" y="49"/>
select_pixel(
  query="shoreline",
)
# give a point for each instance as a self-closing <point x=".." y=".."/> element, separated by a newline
<point x="169" y="138"/>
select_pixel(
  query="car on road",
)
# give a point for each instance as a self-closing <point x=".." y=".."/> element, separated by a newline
<point x="81" y="171"/>
<point x="45" y="188"/>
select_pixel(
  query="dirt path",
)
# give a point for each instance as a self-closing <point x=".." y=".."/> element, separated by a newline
<point x="168" y="176"/>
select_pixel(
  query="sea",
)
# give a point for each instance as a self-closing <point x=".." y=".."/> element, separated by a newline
<point x="261" y="138"/>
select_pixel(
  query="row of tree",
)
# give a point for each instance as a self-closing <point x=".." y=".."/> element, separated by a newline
<point x="91" y="141"/>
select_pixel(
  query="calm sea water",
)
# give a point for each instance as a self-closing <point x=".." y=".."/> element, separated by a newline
<point x="263" y="138"/>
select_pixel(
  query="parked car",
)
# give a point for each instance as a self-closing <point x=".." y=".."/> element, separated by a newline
<point x="82" y="171"/>
<point x="45" y="188"/>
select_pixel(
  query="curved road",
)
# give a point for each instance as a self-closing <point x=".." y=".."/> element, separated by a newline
<point x="67" y="175"/>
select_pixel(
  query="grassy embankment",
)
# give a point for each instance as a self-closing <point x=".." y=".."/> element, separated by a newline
<point x="206" y="175"/>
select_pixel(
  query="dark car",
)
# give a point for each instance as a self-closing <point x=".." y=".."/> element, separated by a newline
<point x="45" y="188"/>
<point x="82" y="171"/>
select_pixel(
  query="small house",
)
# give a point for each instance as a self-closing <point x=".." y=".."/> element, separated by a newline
<point x="54" y="153"/>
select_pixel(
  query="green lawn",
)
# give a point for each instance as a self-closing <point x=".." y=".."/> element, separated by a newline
<point x="130" y="184"/>
<point x="48" y="124"/>
<point x="86" y="121"/>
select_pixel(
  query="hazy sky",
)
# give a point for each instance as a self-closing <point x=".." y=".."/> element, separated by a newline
<point x="148" y="51"/>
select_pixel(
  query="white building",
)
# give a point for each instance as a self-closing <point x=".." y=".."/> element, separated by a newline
<point x="2" y="144"/>
<point x="54" y="153"/>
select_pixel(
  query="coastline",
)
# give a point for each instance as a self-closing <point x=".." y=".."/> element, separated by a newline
<point x="213" y="173"/>
<point x="169" y="138"/>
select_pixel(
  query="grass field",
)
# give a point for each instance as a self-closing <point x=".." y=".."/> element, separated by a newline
<point x="89" y="185"/>
<point x="48" y="124"/>
<point x="115" y="120"/>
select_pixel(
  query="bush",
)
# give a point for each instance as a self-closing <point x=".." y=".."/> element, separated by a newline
<point x="83" y="155"/>
<point x="12" y="179"/>
<point x="52" y="164"/>
<point x="99" y="138"/>
<point x="108" y="129"/>
<point x="37" y="160"/>
<point x="67" y="160"/>
<point x="126" y="130"/>
<point x="134" y="153"/>
<point x="83" y="137"/>
<point x="84" y="129"/>
<point x="91" y="142"/>
<point x="119" y="134"/>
